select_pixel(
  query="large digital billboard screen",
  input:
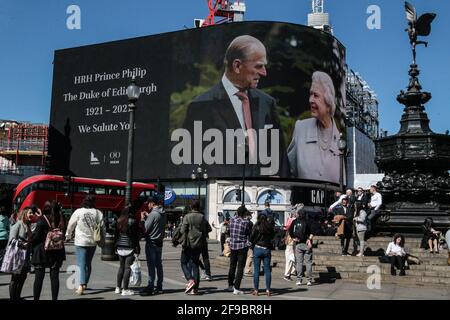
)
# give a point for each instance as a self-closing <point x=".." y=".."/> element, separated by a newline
<point x="265" y="93"/>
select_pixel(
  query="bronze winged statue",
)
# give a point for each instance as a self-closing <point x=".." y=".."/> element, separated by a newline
<point x="417" y="27"/>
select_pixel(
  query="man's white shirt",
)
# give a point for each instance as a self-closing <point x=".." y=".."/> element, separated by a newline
<point x="375" y="201"/>
<point x="235" y="101"/>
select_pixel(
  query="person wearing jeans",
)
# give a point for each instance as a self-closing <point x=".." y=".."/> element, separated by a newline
<point x="195" y="229"/>
<point x="261" y="238"/>
<point x="265" y="255"/>
<point x="153" y="251"/>
<point x="190" y="264"/>
<point x="240" y="228"/>
<point x="83" y="222"/>
<point x="84" y="263"/>
<point x="155" y="222"/>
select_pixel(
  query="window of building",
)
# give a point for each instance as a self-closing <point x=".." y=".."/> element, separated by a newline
<point x="235" y="195"/>
<point x="271" y="196"/>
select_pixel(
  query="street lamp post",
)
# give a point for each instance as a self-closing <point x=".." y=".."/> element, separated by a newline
<point x="198" y="175"/>
<point x="133" y="92"/>
<point x="243" y="173"/>
<point x="342" y="145"/>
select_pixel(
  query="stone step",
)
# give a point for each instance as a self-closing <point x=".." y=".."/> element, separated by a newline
<point x="373" y="260"/>
<point x="363" y="262"/>
<point x="369" y="251"/>
<point x="369" y="255"/>
<point x="383" y="244"/>
<point x="376" y="239"/>
<point x="360" y="275"/>
<point x="384" y="269"/>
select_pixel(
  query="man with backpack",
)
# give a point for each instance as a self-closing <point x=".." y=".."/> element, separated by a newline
<point x="195" y="229"/>
<point x="154" y="222"/>
<point x="300" y="232"/>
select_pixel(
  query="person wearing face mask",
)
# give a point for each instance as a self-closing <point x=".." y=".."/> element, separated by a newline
<point x="313" y="152"/>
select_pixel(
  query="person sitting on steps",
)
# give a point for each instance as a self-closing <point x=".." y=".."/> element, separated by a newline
<point x="396" y="252"/>
<point x="430" y="236"/>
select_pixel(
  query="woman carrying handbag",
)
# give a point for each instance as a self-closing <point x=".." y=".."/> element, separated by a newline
<point x="87" y="227"/>
<point x="20" y="232"/>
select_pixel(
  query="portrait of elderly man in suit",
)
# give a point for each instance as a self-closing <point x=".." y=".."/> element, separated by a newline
<point x="236" y="103"/>
<point x="313" y="152"/>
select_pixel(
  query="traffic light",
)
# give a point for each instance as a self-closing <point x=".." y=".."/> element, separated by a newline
<point x="238" y="195"/>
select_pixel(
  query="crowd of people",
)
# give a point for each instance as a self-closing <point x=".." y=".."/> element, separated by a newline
<point x="247" y="239"/>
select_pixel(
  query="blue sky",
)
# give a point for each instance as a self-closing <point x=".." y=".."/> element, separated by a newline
<point x="30" y="31"/>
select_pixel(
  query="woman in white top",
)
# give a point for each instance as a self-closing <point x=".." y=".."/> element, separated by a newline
<point x="289" y="252"/>
<point x="84" y="221"/>
<point x="397" y="254"/>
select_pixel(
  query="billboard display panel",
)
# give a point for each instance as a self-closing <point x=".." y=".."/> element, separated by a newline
<point x="265" y="93"/>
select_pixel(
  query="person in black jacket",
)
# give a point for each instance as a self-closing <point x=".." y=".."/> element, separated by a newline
<point x="127" y="245"/>
<point x="261" y="238"/>
<point x="40" y="258"/>
<point x="300" y="232"/>
<point x="345" y="210"/>
<point x="430" y="237"/>
<point x="362" y="198"/>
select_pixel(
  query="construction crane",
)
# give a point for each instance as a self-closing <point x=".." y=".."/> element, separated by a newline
<point x="225" y="10"/>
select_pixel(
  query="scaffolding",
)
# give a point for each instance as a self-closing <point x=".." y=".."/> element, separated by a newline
<point x="22" y="144"/>
<point x="362" y="105"/>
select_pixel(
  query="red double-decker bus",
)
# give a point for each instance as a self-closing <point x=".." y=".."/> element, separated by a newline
<point x="70" y="192"/>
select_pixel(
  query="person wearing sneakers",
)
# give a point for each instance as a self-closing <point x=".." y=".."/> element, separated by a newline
<point x="127" y="246"/>
<point x="300" y="232"/>
<point x="289" y="252"/>
<point x="261" y="238"/>
<point x="240" y="228"/>
<point x="195" y="228"/>
<point x="83" y="222"/>
<point x="155" y="222"/>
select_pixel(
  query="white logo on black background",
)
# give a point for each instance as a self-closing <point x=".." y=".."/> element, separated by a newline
<point x="114" y="157"/>
<point x="94" y="159"/>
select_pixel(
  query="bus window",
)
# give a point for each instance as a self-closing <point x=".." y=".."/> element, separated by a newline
<point x="146" y="193"/>
<point x="100" y="190"/>
<point x="114" y="191"/>
<point x="83" y="188"/>
<point x="45" y="185"/>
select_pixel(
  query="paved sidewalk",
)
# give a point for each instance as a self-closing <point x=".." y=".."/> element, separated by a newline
<point x="103" y="277"/>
